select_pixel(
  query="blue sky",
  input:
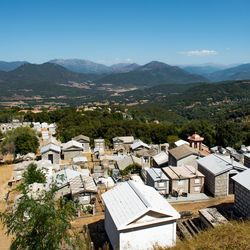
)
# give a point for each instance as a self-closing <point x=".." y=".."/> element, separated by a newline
<point x="112" y="31"/>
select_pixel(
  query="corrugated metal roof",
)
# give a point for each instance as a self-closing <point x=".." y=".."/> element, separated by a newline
<point x="157" y="174"/>
<point x="129" y="201"/>
<point x="82" y="183"/>
<point x="218" y="164"/>
<point x="243" y="178"/>
<point x="161" y="158"/>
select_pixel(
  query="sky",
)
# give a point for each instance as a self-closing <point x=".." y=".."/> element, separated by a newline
<point x="177" y="32"/>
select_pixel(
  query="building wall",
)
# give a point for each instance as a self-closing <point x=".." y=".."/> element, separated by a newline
<point x="242" y="200"/>
<point x="72" y="154"/>
<point x="111" y="230"/>
<point x="186" y="160"/>
<point x="216" y="185"/>
<point x="162" y="186"/>
<point x="56" y="156"/>
<point x="247" y="160"/>
<point x="195" y="187"/>
<point x="179" y="185"/>
<point x="86" y="147"/>
<point x="147" y="237"/>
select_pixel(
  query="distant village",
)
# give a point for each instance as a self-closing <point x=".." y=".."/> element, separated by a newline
<point x="133" y="184"/>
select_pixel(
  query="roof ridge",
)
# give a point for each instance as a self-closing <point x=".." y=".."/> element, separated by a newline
<point x="139" y="194"/>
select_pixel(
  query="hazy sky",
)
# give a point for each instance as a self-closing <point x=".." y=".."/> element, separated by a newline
<point x="113" y="31"/>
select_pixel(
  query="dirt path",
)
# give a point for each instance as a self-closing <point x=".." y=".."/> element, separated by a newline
<point x="195" y="206"/>
<point x="5" y="175"/>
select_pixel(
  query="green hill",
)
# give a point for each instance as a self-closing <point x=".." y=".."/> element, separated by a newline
<point x="151" y="74"/>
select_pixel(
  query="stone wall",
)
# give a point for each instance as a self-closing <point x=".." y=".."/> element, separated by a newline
<point x="56" y="156"/>
<point x="72" y="154"/>
<point x="242" y="200"/>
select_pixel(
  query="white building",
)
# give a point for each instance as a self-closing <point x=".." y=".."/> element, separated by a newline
<point x="138" y="217"/>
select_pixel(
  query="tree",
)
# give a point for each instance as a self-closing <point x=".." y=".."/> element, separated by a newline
<point x="20" y="140"/>
<point x="26" y="143"/>
<point x="42" y="222"/>
<point x="32" y="175"/>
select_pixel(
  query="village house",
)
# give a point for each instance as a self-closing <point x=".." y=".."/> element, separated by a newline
<point x="51" y="152"/>
<point x="182" y="155"/>
<point x="72" y="149"/>
<point x="242" y="193"/>
<point x="138" y="145"/>
<point x="123" y="141"/>
<point x="128" y="160"/>
<point x="218" y="171"/>
<point x="83" y="189"/>
<point x="160" y="160"/>
<point x="184" y="179"/>
<point x="85" y="141"/>
<point x="99" y="145"/>
<point x="157" y="179"/>
<point x="138" y="217"/>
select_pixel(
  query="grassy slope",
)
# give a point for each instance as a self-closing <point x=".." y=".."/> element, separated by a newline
<point x="231" y="236"/>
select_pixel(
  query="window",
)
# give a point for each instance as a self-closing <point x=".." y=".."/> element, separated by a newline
<point x="161" y="184"/>
<point x="197" y="181"/>
<point x="196" y="189"/>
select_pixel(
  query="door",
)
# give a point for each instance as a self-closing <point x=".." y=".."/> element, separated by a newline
<point x="51" y="158"/>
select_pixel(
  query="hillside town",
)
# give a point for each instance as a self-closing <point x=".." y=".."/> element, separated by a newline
<point x="134" y="187"/>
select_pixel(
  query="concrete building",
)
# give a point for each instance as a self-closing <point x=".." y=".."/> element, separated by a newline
<point x="51" y="152"/>
<point x="182" y="155"/>
<point x="85" y="141"/>
<point x="72" y="149"/>
<point x="157" y="179"/>
<point x="218" y="171"/>
<point x="247" y="160"/>
<point x="160" y="160"/>
<point x="184" y="179"/>
<point x="242" y="193"/>
<point x="138" y="217"/>
<point x="123" y="141"/>
<point x="138" y="145"/>
<point x="99" y="145"/>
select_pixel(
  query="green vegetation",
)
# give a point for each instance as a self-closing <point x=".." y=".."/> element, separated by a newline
<point x="20" y="140"/>
<point x="131" y="169"/>
<point x="32" y="175"/>
<point x="235" y="235"/>
<point x="38" y="221"/>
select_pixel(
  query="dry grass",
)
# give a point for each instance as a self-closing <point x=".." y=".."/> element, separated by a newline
<point x="235" y="235"/>
<point x="5" y="176"/>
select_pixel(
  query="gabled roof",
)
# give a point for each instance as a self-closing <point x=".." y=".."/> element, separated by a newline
<point x="50" y="147"/>
<point x="157" y="174"/>
<point x="218" y="164"/>
<point x="82" y="183"/>
<point x="128" y="160"/>
<point x="243" y="178"/>
<point x="182" y="152"/>
<point x="180" y="142"/>
<point x="130" y="201"/>
<point x="161" y="158"/>
<point x="72" y="144"/>
<point x="138" y="143"/>
<point x="124" y="139"/>
<point x="183" y="172"/>
<point x="81" y="137"/>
